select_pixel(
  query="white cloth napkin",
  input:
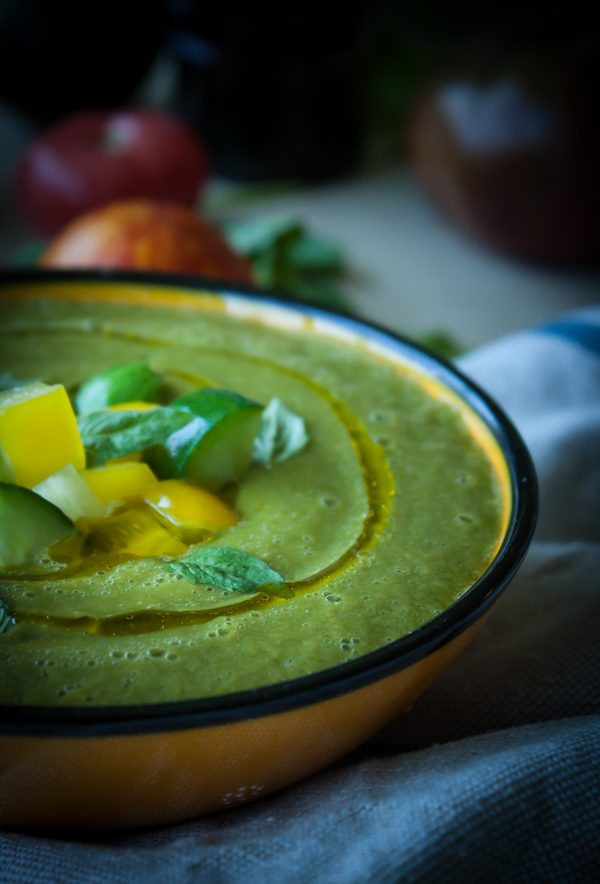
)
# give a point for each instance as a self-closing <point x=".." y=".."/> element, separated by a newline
<point x="494" y="774"/>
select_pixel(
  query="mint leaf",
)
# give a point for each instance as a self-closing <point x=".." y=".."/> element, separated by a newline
<point x="320" y="290"/>
<point x="108" y="434"/>
<point x="316" y="253"/>
<point x="225" y="567"/>
<point x="282" y="433"/>
<point x="252" y="236"/>
<point x="29" y="253"/>
<point x="285" y="255"/>
<point x="442" y="343"/>
<point x="6" y="621"/>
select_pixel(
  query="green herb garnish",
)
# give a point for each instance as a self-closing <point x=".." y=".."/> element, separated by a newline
<point x="210" y="437"/>
<point x="109" y="434"/>
<point x="285" y="256"/>
<point x="282" y="433"/>
<point x="228" y="568"/>
<point x="443" y="344"/>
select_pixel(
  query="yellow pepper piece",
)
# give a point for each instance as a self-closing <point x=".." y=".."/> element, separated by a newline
<point x="120" y="482"/>
<point x="132" y="406"/>
<point x="134" y="532"/>
<point x="134" y="457"/>
<point x="38" y="432"/>
<point x="190" y="512"/>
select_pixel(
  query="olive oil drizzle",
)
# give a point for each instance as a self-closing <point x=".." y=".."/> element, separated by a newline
<point x="379" y="487"/>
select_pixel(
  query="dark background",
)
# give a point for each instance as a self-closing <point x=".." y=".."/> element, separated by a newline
<point x="308" y="90"/>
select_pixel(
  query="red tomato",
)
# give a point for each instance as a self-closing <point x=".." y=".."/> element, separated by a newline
<point x="148" y="236"/>
<point x="90" y="159"/>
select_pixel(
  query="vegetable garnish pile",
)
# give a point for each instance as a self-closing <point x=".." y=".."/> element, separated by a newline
<point x="127" y="477"/>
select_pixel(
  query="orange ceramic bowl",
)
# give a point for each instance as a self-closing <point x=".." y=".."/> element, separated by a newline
<point x="132" y="766"/>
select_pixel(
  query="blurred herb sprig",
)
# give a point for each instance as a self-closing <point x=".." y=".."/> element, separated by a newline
<point x="286" y="256"/>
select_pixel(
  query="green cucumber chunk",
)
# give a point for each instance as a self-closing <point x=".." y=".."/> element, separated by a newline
<point x="29" y="527"/>
<point x="7" y="474"/>
<point x="134" y="382"/>
<point x="215" y="447"/>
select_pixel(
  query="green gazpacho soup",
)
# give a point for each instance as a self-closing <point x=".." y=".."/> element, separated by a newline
<point x="392" y="510"/>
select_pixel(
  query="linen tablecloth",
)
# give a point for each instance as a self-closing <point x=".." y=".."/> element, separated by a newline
<point x="494" y="774"/>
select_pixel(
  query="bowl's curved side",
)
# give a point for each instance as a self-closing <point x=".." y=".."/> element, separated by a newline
<point x="132" y="780"/>
<point x="155" y="767"/>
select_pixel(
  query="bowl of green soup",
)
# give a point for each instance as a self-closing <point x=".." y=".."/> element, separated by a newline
<point x="238" y="535"/>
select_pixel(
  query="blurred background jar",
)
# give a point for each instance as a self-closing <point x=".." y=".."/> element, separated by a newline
<point x="493" y="108"/>
<point x="274" y="88"/>
<point x="505" y="138"/>
<point x="59" y="56"/>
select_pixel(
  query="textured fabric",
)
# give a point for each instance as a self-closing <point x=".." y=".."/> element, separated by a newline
<point x="494" y="774"/>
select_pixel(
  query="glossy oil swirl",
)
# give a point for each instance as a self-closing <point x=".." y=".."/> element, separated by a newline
<point x="379" y="488"/>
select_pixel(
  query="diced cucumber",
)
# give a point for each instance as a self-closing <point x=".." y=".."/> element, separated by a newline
<point x="215" y="448"/>
<point x="7" y="474"/>
<point x="29" y="527"/>
<point x="124" y="383"/>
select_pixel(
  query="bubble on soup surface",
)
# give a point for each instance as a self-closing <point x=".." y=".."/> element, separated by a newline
<point x="330" y="501"/>
<point x="382" y="416"/>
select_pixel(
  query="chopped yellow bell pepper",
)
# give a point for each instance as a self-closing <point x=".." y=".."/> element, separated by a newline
<point x="135" y="532"/>
<point x="124" y="481"/>
<point x="132" y="406"/>
<point x="38" y="432"/>
<point x="190" y="512"/>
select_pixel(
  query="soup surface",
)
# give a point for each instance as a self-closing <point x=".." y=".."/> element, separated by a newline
<point x="392" y="511"/>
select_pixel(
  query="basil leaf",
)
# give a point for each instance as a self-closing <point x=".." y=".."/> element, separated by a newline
<point x="282" y="433"/>
<point x="444" y="344"/>
<point x="6" y="621"/>
<point x="320" y="290"/>
<point x="317" y="254"/>
<point x="225" y="567"/>
<point x="253" y="236"/>
<point x="286" y="256"/>
<point x="29" y="253"/>
<point x="108" y="434"/>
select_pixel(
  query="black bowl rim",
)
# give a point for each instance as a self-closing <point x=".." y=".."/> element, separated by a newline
<point x="345" y="677"/>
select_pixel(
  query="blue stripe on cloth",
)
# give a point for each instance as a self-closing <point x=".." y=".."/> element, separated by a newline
<point x="581" y="332"/>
